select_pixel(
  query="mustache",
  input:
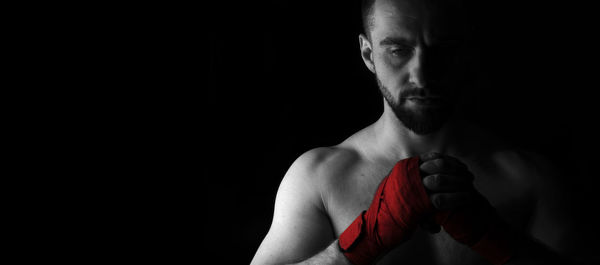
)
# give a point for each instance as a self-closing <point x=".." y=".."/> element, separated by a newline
<point x="422" y="93"/>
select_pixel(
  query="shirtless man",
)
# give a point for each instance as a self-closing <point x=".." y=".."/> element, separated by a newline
<point x="414" y="48"/>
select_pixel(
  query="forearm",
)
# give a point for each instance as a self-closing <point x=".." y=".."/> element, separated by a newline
<point x="332" y="255"/>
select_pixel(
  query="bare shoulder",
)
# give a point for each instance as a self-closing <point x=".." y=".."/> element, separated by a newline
<point x="300" y="226"/>
<point x="323" y="163"/>
<point x="320" y="171"/>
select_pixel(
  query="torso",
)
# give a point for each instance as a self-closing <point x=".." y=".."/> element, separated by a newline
<point x="351" y="177"/>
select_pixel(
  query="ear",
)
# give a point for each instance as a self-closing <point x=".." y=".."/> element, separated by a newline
<point x="366" y="52"/>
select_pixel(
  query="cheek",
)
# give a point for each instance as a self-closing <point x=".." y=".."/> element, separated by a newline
<point x="391" y="74"/>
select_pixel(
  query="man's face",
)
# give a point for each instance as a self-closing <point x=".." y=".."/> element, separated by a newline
<point x="416" y="57"/>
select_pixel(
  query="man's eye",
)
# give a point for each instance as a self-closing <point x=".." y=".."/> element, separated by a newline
<point x="400" y="51"/>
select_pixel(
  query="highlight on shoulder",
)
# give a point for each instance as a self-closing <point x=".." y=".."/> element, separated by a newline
<point x="321" y="161"/>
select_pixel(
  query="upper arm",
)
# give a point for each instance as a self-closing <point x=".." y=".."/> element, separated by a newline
<point x="300" y="226"/>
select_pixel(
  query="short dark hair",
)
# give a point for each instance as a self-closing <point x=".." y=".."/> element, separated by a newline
<point x="368" y="19"/>
<point x="366" y="8"/>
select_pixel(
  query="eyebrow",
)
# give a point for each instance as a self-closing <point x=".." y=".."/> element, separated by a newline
<point x="389" y="41"/>
<point x="394" y="41"/>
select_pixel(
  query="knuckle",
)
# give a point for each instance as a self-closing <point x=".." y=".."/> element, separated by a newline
<point x="437" y="180"/>
<point x="440" y="163"/>
<point x="427" y="181"/>
<point x="434" y="181"/>
<point x="429" y="156"/>
<point x="429" y="167"/>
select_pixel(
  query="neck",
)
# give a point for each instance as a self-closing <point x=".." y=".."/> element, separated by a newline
<point x="397" y="141"/>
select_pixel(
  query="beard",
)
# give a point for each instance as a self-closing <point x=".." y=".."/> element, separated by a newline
<point x="421" y="121"/>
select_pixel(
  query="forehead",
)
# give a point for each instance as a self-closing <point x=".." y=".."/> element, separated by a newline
<point x="417" y="18"/>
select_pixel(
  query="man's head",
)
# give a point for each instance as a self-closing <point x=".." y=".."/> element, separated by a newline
<point x="414" y="48"/>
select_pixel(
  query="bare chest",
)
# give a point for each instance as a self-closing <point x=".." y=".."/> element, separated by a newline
<point x="353" y="194"/>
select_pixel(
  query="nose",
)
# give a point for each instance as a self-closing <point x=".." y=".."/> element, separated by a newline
<point x="422" y="69"/>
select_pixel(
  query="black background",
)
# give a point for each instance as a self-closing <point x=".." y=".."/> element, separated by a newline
<point x="286" y="76"/>
<point x="161" y="132"/>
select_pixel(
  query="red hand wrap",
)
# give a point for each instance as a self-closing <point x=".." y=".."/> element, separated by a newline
<point x="398" y="206"/>
<point x="482" y="229"/>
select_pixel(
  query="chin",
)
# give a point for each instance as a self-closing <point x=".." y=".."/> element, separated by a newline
<point x="425" y="120"/>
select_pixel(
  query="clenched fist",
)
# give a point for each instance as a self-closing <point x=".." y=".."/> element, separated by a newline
<point x="462" y="211"/>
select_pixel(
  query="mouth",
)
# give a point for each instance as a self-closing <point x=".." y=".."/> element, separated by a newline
<point x="427" y="101"/>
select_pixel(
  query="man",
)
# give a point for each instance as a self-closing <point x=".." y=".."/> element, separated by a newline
<point x="343" y="205"/>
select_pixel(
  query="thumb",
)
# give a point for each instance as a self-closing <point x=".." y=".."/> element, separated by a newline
<point x="430" y="156"/>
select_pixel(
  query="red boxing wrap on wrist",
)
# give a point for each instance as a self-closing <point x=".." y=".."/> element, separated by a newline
<point x="482" y="229"/>
<point x="397" y="207"/>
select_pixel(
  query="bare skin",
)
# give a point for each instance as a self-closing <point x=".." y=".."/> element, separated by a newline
<point x="326" y="188"/>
